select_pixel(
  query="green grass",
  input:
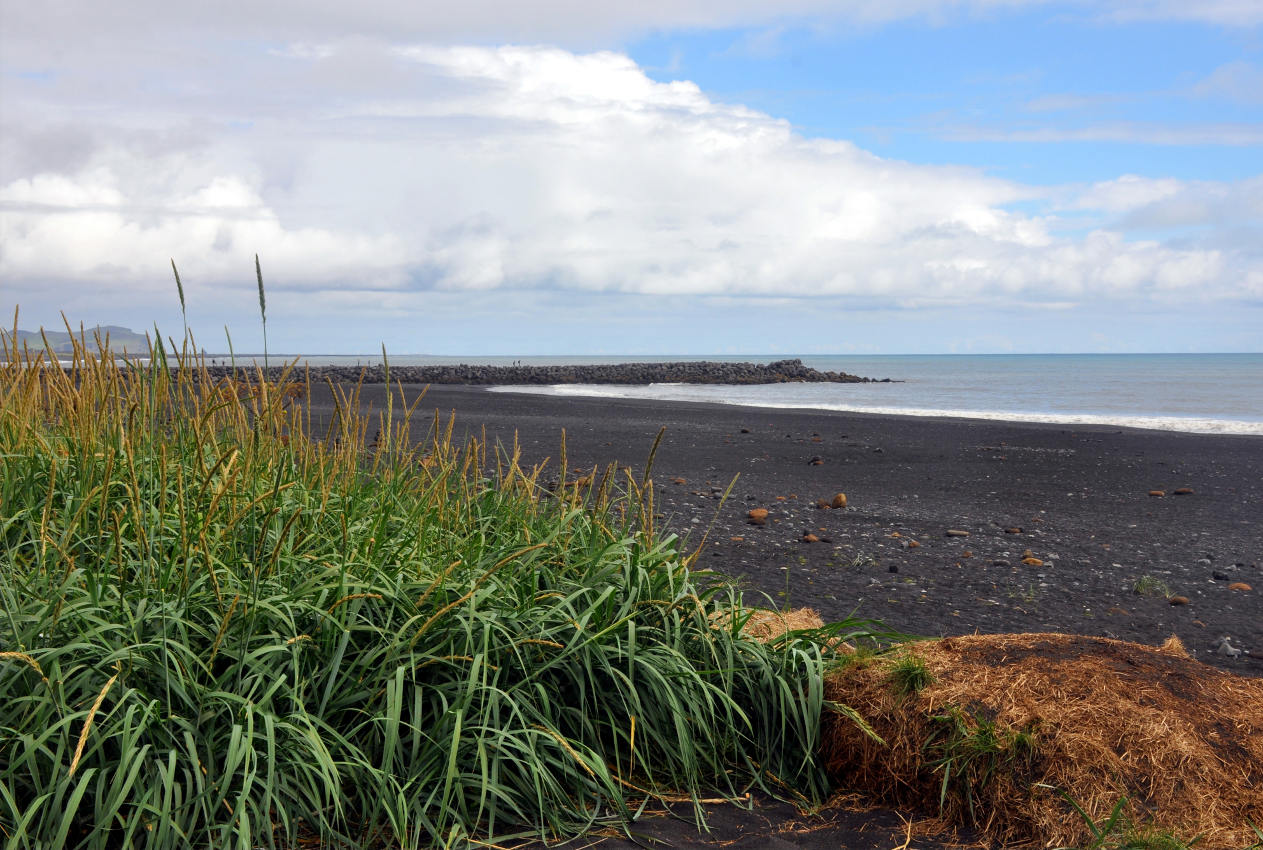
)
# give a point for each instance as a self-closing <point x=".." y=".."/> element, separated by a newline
<point x="908" y="674"/>
<point x="969" y="751"/>
<point x="220" y="630"/>
<point x="1118" y="832"/>
<point x="1150" y="586"/>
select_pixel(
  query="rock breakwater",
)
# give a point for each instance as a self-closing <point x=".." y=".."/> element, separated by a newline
<point x="688" y="372"/>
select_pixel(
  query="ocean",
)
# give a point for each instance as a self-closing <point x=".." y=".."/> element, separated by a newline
<point x="1197" y="393"/>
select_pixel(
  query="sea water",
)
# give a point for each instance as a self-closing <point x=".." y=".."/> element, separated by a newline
<point x="1199" y="393"/>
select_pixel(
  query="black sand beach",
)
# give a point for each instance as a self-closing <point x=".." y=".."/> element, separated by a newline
<point x="1062" y="527"/>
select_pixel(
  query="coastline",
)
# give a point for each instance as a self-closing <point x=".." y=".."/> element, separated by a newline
<point x="1076" y="497"/>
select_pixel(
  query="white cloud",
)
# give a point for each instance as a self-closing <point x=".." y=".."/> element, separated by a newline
<point x="1126" y="193"/>
<point x="65" y="28"/>
<point x="95" y="231"/>
<point x="481" y="169"/>
<point x="1227" y="13"/>
<point x="1237" y="81"/>
<point x="1070" y="102"/>
<point x="1132" y="132"/>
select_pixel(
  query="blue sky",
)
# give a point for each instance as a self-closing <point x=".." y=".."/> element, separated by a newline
<point x="952" y="92"/>
<point x="693" y="177"/>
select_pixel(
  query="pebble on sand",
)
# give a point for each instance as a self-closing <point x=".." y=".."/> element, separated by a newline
<point x="1157" y="492"/>
<point x="1183" y="491"/>
<point x="810" y="538"/>
<point x="956" y="532"/>
<point x="839" y="501"/>
<point x="1178" y="600"/>
<point x="1032" y="562"/>
<point x="758" y="516"/>
<point x="1239" y="585"/>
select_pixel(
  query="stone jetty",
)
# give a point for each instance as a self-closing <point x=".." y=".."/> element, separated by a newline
<point x="688" y="372"/>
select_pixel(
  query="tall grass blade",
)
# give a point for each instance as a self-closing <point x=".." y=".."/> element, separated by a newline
<point x="263" y="308"/>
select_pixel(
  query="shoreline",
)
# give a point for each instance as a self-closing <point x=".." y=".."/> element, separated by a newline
<point x="1076" y="497"/>
<point x="1249" y="428"/>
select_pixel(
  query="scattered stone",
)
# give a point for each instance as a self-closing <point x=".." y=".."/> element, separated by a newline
<point x="893" y="568"/>
<point x="1239" y="585"/>
<point x="810" y="538"/>
<point x="817" y="461"/>
<point x="1028" y="554"/>
<point x="758" y="516"/>
<point x="912" y="544"/>
<point x="956" y="532"/>
<point x="878" y="450"/>
<point x="999" y="562"/>
<point x="1223" y="647"/>
<point x="679" y="481"/>
<point x="967" y="554"/>
<point x="1183" y="491"/>
<point x="780" y="498"/>
<point x="1013" y="530"/>
<point x="1157" y="492"/>
<point x="839" y="501"/>
<point x="1218" y="576"/>
<point x="823" y="504"/>
<point x="745" y="430"/>
<point x="1178" y="600"/>
<point x="737" y="539"/>
<point x="1122" y="612"/>
<point x="1032" y="562"/>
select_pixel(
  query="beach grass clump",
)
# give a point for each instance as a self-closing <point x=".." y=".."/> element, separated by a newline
<point x="1148" y="585"/>
<point x="908" y="673"/>
<point x="218" y="629"/>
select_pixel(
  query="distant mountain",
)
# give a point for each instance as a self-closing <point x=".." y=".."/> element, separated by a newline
<point x="121" y="340"/>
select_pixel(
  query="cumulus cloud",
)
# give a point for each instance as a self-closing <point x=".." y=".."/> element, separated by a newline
<point x="403" y="170"/>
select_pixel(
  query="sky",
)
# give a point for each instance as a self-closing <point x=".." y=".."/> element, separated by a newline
<point x="661" y="177"/>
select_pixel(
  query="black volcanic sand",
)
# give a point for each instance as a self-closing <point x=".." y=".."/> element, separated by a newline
<point x="1078" y="498"/>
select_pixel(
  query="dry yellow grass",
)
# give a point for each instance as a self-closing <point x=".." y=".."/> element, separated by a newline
<point x="766" y="625"/>
<point x="1181" y="740"/>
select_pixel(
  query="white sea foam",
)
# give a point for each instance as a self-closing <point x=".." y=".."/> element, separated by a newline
<point x="792" y="396"/>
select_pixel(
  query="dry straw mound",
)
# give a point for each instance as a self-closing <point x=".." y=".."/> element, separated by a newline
<point x="1008" y="726"/>
<point x="767" y="625"/>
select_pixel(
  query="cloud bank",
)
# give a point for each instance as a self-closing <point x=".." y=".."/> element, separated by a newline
<point x="403" y="170"/>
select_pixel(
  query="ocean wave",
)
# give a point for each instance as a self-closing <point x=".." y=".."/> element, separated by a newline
<point x="715" y="395"/>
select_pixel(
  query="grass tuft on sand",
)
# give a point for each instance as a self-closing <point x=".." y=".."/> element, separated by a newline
<point x="218" y="629"/>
